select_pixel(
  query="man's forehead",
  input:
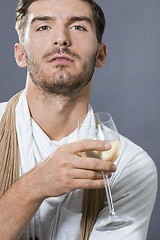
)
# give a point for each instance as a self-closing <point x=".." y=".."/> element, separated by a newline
<point x="63" y="5"/>
<point x="63" y="9"/>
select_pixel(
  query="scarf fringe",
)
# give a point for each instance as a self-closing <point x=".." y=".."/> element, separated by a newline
<point x="9" y="157"/>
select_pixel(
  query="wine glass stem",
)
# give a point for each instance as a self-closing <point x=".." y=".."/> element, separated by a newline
<point x="108" y="195"/>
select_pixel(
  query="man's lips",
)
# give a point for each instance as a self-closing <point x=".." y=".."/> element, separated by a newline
<point x="61" y="58"/>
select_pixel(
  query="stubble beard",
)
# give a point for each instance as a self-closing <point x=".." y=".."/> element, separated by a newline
<point x="61" y="83"/>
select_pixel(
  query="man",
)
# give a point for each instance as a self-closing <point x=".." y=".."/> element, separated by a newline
<point x="60" y="44"/>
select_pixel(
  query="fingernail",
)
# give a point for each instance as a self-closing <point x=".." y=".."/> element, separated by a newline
<point x="107" y="145"/>
<point x="109" y="175"/>
<point x="114" y="168"/>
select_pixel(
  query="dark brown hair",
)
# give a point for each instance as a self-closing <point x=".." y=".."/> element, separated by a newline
<point x="22" y="9"/>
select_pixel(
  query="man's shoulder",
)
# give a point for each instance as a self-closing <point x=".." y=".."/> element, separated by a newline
<point x="2" y="108"/>
<point x="130" y="145"/>
<point x="135" y="156"/>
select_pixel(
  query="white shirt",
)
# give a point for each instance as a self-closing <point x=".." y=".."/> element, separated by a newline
<point x="133" y="186"/>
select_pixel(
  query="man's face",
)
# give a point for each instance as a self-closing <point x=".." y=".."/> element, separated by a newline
<point x="60" y="45"/>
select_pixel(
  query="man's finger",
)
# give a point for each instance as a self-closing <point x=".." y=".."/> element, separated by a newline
<point x="94" y="164"/>
<point x="85" y="145"/>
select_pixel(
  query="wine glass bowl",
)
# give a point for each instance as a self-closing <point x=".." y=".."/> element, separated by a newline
<point x="100" y="126"/>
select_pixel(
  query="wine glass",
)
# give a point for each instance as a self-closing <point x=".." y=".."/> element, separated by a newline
<point x="101" y="126"/>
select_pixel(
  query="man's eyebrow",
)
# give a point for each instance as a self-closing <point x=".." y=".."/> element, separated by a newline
<point x="42" y="19"/>
<point x="81" y="18"/>
<point x="72" y="19"/>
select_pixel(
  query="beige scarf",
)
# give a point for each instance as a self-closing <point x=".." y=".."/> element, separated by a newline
<point x="93" y="200"/>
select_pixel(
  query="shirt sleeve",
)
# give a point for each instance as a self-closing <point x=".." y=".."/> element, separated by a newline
<point x="134" y="188"/>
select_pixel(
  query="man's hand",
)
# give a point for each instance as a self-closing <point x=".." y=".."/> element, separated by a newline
<point x="62" y="172"/>
<point x="65" y="170"/>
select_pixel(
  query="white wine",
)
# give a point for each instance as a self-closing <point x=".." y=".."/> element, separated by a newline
<point x="110" y="155"/>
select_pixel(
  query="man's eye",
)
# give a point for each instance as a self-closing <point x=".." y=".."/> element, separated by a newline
<point x="43" y="28"/>
<point x="78" y="27"/>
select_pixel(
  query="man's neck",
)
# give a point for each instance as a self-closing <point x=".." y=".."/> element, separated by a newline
<point x="57" y="116"/>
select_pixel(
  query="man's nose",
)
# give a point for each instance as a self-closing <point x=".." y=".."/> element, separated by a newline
<point x="61" y="43"/>
<point x="62" y="38"/>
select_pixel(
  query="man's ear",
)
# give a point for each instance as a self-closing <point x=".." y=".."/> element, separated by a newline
<point x="19" y="55"/>
<point x="101" y="55"/>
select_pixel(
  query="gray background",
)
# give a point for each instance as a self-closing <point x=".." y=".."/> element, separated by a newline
<point x="128" y="86"/>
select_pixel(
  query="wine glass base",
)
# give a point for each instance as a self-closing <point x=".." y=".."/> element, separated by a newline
<point x="113" y="223"/>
